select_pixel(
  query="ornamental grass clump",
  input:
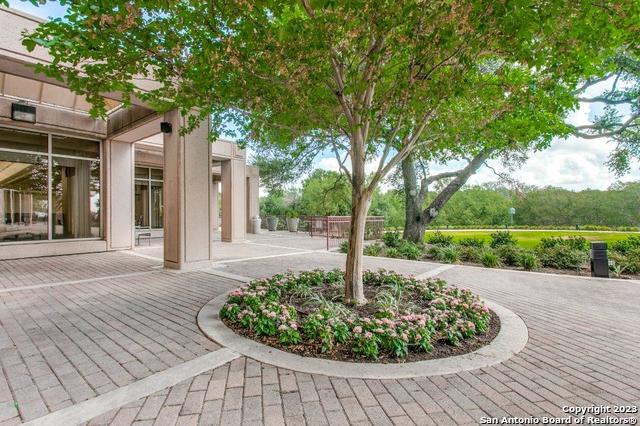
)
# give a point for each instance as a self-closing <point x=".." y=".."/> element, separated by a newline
<point x="403" y="315"/>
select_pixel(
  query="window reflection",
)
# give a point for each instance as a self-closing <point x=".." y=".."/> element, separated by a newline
<point x="34" y="172"/>
<point x="24" y="141"/>
<point x="75" y="198"/>
<point x="156" y="204"/>
<point x="148" y="198"/>
<point x="23" y="197"/>
<point x="66" y="145"/>
<point x="142" y="203"/>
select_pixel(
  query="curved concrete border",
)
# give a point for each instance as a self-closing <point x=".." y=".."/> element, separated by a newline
<point x="511" y="339"/>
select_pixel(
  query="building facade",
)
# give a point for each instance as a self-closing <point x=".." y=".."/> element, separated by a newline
<point x="70" y="183"/>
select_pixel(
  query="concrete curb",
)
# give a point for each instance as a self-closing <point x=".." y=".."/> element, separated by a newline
<point x="511" y="339"/>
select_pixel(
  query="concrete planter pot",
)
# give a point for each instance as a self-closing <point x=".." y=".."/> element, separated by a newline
<point x="272" y="223"/>
<point x="256" y="222"/>
<point x="292" y="224"/>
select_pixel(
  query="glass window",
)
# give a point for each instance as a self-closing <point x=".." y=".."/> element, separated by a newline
<point x="64" y="145"/>
<point x="75" y="198"/>
<point x="25" y="188"/>
<point x="25" y="141"/>
<point x="142" y="203"/>
<point x="148" y="198"/>
<point x="156" y="174"/>
<point x="156" y="204"/>
<point x="142" y="173"/>
<point x="23" y="197"/>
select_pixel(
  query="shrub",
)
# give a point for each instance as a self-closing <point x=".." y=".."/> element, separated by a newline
<point x="448" y="254"/>
<point x="344" y="247"/>
<point x="502" y="238"/>
<point x="374" y="249"/>
<point x="409" y="250"/>
<point x="471" y="242"/>
<point x="562" y="257"/>
<point x="440" y="239"/>
<point x="573" y="242"/>
<point x="617" y="269"/>
<point x="391" y="239"/>
<point x="489" y="258"/>
<point x="624" y="246"/>
<point x="393" y="252"/>
<point x="469" y="254"/>
<point x="629" y="262"/>
<point x="509" y="254"/>
<point x="528" y="260"/>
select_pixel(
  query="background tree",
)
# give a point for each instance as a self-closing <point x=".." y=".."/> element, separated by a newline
<point x="545" y="105"/>
<point x="363" y="77"/>
<point x="511" y="110"/>
<point x="326" y="193"/>
<point x="486" y="206"/>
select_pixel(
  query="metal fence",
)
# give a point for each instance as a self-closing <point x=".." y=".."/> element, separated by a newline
<point x="336" y="228"/>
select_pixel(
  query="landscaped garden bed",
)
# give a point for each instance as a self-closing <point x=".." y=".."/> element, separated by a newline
<point x="568" y="254"/>
<point x="404" y="319"/>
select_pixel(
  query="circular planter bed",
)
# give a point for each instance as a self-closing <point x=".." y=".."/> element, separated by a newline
<point x="404" y="319"/>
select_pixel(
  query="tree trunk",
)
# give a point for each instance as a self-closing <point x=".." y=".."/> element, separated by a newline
<point x="463" y="175"/>
<point x="414" y="226"/>
<point x="354" y="288"/>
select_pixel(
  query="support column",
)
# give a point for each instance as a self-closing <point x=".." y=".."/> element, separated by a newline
<point x="233" y="200"/>
<point x="119" y="225"/>
<point x="215" y="208"/>
<point x="253" y="195"/>
<point x="188" y="237"/>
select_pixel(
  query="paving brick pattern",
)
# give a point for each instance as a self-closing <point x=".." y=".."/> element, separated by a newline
<point x="48" y="270"/>
<point x="582" y="350"/>
<point x="62" y="345"/>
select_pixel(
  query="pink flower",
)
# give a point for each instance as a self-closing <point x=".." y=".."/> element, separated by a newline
<point x="294" y="325"/>
<point x="282" y="327"/>
<point x="368" y="335"/>
<point x="357" y="330"/>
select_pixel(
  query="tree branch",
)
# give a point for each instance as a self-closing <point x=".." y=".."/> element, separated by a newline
<point x="607" y="100"/>
<point x="577" y="130"/>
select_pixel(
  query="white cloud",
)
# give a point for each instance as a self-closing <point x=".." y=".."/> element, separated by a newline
<point x="573" y="164"/>
<point x="328" y="163"/>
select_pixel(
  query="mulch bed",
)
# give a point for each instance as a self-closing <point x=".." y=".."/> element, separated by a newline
<point x="441" y="349"/>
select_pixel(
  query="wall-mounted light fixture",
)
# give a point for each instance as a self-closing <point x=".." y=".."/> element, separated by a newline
<point x="23" y="112"/>
<point x="165" y="127"/>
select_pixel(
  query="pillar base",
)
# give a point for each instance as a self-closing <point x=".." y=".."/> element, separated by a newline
<point x="187" y="266"/>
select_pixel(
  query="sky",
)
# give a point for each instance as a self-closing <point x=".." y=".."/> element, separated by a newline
<point x="571" y="163"/>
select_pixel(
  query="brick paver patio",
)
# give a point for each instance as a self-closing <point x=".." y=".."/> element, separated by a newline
<point x="64" y="344"/>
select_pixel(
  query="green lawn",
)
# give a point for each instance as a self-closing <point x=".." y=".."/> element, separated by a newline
<point x="531" y="238"/>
